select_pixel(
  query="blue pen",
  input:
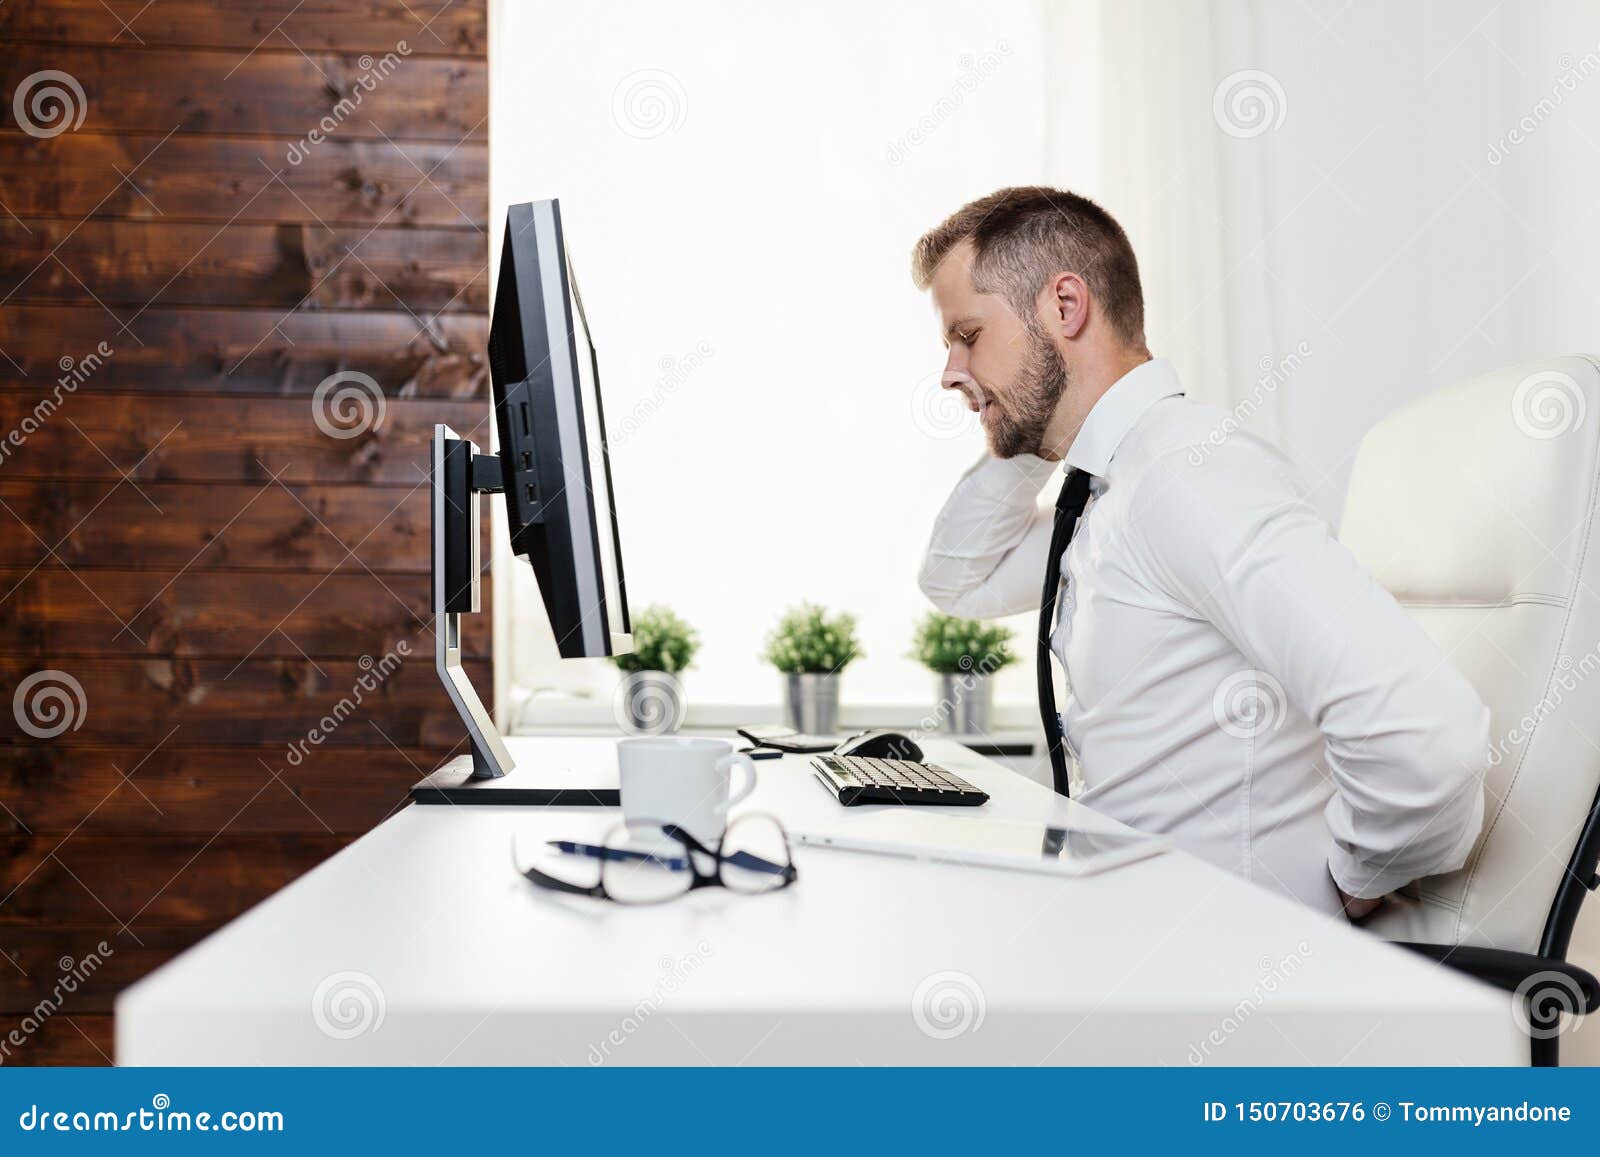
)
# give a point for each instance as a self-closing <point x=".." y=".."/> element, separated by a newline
<point x="739" y="859"/>
<point x="572" y="848"/>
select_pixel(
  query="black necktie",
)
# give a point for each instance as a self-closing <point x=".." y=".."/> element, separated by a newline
<point x="1069" y="505"/>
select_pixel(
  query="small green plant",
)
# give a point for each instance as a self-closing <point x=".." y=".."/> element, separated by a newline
<point x="947" y="645"/>
<point x="661" y="642"/>
<point x="809" y="641"/>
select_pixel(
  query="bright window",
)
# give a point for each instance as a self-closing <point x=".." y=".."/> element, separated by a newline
<point x="741" y="192"/>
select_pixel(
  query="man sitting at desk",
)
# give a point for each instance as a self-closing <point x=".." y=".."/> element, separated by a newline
<point x="1233" y="677"/>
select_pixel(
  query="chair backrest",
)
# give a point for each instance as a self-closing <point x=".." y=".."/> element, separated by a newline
<point x="1476" y="507"/>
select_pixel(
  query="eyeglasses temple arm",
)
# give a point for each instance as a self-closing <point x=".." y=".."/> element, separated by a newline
<point x="754" y="863"/>
<point x="687" y="839"/>
<point x="534" y="875"/>
<point x="595" y="851"/>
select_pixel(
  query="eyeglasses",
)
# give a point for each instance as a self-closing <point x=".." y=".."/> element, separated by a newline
<point x="649" y="861"/>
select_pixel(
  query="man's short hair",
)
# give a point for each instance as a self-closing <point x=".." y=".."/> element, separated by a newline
<point x="1022" y="237"/>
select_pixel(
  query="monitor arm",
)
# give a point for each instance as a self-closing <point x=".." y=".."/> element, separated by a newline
<point x="457" y="474"/>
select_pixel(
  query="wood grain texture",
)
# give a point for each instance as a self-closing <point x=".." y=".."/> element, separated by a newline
<point x="262" y="194"/>
<point x="99" y="960"/>
<point x="294" y="705"/>
<point x="244" y="352"/>
<point x="51" y="611"/>
<point x="350" y="435"/>
<point x="67" y="1038"/>
<point x="246" y="181"/>
<point x="443" y="27"/>
<point x="163" y="880"/>
<point x="273" y="91"/>
<point x="143" y="264"/>
<point x="261" y="526"/>
<point x="49" y="790"/>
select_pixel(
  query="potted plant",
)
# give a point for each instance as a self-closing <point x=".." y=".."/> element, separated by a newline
<point x="650" y="699"/>
<point x="810" y="647"/>
<point x="964" y="654"/>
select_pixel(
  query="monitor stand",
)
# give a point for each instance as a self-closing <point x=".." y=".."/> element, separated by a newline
<point x="457" y="475"/>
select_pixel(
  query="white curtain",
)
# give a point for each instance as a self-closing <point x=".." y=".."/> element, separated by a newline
<point x="1338" y="207"/>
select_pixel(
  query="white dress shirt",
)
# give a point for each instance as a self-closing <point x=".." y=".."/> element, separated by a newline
<point x="1233" y="677"/>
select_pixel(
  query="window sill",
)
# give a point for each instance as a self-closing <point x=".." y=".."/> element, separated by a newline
<point x="1015" y="730"/>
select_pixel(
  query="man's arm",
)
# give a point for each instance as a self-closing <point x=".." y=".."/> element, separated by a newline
<point x="987" y="553"/>
<point x="1407" y="736"/>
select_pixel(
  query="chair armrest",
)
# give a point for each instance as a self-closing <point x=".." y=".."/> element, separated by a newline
<point x="1576" y="989"/>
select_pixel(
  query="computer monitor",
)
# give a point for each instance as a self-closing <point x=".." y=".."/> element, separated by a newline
<point x="559" y="504"/>
<point x="554" y="471"/>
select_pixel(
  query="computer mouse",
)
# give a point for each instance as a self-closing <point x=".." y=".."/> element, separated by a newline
<point x="881" y="743"/>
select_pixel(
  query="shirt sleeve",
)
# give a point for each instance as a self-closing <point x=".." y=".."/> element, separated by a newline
<point x="1406" y="735"/>
<point x="986" y="556"/>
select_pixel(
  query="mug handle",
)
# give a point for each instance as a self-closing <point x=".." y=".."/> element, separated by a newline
<point x="749" y="765"/>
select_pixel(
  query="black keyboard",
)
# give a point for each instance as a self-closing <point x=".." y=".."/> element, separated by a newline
<point x="857" y="779"/>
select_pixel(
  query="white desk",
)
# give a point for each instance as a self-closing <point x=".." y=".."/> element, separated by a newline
<point x="865" y="959"/>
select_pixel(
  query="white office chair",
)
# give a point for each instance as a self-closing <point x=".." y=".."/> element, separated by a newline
<point x="1477" y="508"/>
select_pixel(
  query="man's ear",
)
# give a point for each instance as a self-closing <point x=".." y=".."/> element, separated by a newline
<point x="1064" y="305"/>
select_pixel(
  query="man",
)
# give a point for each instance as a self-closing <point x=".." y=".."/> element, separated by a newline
<point x="1233" y="678"/>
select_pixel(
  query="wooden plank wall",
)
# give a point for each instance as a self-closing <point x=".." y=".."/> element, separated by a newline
<point x="199" y="555"/>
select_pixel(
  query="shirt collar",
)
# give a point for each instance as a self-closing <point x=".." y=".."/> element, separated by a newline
<point x="1118" y="411"/>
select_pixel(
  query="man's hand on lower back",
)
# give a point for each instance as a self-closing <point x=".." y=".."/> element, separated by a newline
<point x="1355" y="908"/>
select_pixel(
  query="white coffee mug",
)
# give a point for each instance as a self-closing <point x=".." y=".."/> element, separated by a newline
<point x="682" y="780"/>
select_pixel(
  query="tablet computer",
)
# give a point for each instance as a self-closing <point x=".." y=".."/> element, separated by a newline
<point x="1059" y="849"/>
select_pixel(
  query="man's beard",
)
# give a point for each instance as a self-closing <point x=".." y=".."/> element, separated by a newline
<point x="1019" y="426"/>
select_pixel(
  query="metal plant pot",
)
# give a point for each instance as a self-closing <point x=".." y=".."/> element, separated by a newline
<point x="811" y="703"/>
<point x="650" y="703"/>
<point x="966" y="703"/>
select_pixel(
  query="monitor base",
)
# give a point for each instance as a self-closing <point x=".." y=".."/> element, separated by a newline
<point x="456" y="783"/>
